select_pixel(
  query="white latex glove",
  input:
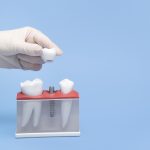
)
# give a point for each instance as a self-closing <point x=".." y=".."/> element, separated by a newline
<point x="22" y="48"/>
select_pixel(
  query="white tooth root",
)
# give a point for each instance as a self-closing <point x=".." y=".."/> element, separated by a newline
<point x="27" y="112"/>
<point x="65" y="111"/>
<point x="28" y="108"/>
<point x="37" y="113"/>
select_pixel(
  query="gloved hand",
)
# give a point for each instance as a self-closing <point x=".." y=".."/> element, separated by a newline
<point x="22" y="48"/>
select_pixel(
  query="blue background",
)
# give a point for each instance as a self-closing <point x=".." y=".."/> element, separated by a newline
<point x="106" y="48"/>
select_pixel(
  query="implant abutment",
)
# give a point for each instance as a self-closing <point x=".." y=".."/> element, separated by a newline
<point x="51" y="89"/>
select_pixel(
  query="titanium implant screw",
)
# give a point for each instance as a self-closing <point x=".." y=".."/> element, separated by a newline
<point x="52" y="102"/>
<point x="52" y="108"/>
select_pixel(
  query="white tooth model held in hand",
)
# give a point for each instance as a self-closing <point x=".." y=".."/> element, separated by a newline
<point x="26" y="48"/>
<point x="48" y="54"/>
<point x="31" y="88"/>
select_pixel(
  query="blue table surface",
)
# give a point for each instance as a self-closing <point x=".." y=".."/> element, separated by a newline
<point x="107" y="55"/>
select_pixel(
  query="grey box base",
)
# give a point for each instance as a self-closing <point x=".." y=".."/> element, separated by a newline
<point x="47" y="134"/>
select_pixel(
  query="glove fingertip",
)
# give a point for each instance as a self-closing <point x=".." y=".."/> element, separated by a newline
<point x="59" y="52"/>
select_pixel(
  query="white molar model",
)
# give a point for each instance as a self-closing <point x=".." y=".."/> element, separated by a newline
<point x="31" y="88"/>
<point x="66" y="87"/>
<point x="48" y="54"/>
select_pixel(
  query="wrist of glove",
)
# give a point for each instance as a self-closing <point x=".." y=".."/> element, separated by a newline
<point x="22" y="48"/>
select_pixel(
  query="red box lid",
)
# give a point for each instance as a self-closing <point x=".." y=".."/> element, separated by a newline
<point x="47" y="95"/>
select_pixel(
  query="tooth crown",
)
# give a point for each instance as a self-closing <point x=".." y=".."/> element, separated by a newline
<point x="32" y="88"/>
<point x="66" y="86"/>
<point x="48" y="54"/>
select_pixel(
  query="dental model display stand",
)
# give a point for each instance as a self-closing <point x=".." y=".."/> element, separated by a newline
<point x="43" y="113"/>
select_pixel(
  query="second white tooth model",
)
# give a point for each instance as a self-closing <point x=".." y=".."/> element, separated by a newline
<point x="66" y="87"/>
<point x="31" y="88"/>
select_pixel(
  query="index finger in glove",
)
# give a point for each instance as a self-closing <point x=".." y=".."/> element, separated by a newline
<point x="41" y="39"/>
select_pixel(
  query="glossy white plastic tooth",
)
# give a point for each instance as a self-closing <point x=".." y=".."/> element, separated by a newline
<point x="29" y="108"/>
<point x="31" y="88"/>
<point x="66" y="87"/>
<point x="48" y="54"/>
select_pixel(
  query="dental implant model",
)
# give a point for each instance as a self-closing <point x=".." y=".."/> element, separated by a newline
<point x="42" y="113"/>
